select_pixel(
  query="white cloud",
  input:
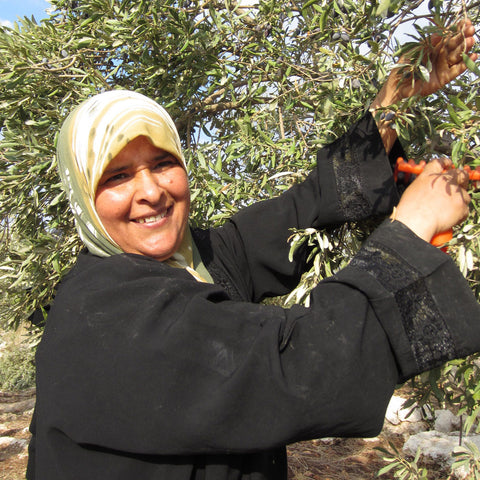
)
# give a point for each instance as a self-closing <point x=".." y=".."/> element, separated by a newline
<point x="6" y="23"/>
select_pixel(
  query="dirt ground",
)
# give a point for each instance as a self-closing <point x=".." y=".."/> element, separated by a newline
<point x="348" y="459"/>
<point x="333" y="459"/>
<point x="15" y="413"/>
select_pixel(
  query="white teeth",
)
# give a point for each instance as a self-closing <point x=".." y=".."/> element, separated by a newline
<point x="151" y="219"/>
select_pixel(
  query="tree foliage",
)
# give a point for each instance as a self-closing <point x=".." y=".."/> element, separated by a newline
<point x="254" y="88"/>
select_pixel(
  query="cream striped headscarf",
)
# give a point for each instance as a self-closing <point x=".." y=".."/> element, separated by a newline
<point x="92" y="135"/>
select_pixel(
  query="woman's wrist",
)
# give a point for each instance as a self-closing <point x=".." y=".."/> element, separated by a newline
<point x="419" y="227"/>
<point x="387" y="96"/>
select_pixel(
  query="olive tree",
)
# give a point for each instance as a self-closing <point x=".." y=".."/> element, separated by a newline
<point x="254" y="87"/>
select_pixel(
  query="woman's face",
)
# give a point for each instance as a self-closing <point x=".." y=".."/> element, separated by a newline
<point x="143" y="200"/>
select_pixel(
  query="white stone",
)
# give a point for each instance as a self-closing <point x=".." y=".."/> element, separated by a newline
<point x="328" y="440"/>
<point x="371" y="439"/>
<point x="438" y="447"/>
<point x="392" y="410"/>
<point x="446" y="421"/>
<point x="435" y="445"/>
<point x="396" y="414"/>
<point x="412" y="414"/>
<point x="10" y="441"/>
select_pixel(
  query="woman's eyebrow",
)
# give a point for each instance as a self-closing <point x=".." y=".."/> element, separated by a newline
<point x="160" y="156"/>
<point x="109" y="171"/>
<point x="163" y="155"/>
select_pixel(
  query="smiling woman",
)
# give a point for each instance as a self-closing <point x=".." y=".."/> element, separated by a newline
<point x="120" y="158"/>
<point x="153" y="372"/>
<point x="143" y="200"/>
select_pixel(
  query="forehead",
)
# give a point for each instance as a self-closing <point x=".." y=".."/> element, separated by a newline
<point x="139" y="149"/>
<point x="139" y="143"/>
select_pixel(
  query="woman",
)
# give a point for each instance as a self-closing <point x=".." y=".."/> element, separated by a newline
<point x="157" y="361"/>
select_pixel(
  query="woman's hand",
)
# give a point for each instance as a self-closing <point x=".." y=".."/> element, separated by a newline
<point x="445" y="54"/>
<point x="435" y="201"/>
<point x="446" y="57"/>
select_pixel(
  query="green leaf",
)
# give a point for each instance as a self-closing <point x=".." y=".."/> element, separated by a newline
<point x="471" y="65"/>
<point x="387" y="468"/>
<point x="84" y="42"/>
<point x="307" y="4"/>
<point x="383" y="7"/>
<point x="454" y="116"/>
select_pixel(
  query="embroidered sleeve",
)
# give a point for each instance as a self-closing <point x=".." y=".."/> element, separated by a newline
<point x="425" y="327"/>
<point x="419" y="296"/>
<point x="362" y="172"/>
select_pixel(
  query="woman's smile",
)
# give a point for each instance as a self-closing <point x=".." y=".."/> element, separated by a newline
<point x="152" y="218"/>
<point x="143" y="200"/>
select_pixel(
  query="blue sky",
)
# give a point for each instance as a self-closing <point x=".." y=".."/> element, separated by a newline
<point x="10" y="10"/>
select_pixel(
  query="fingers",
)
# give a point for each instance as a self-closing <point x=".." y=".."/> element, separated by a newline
<point x="463" y="200"/>
<point x="445" y="166"/>
<point x="455" y="55"/>
<point x="446" y="56"/>
<point x="460" y="43"/>
<point x="462" y="178"/>
<point x="438" y="165"/>
<point x="449" y="49"/>
<point x="465" y="30"/>
<point x="456" y="180"/>
<point x="436" y="200"/>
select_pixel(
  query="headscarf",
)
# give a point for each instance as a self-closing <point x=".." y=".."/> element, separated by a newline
<point x="92" y="135"/>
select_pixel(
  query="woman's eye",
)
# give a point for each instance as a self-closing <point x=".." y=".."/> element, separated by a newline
<point x="115" y="178"/>
<point x="165" y="163"/>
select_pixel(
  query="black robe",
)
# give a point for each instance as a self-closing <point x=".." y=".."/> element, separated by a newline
<point x="143" y="372"/>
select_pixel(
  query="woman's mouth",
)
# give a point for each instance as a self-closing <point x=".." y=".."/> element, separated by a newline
<point x="153" y="218"/>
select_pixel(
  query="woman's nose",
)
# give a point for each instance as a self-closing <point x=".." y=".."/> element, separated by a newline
<point x="147" y="187"/>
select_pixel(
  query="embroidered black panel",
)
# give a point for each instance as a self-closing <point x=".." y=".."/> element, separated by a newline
<point x="426" y="329"/>
<point x="353" y="202"/>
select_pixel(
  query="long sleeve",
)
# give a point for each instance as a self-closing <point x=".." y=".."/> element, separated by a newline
<point x="352" y="181"/>
<point x="148" y="361"/>
<point x="420" y="297"/>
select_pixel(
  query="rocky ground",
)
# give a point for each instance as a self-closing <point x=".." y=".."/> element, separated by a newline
<point x="15" y="414"/>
